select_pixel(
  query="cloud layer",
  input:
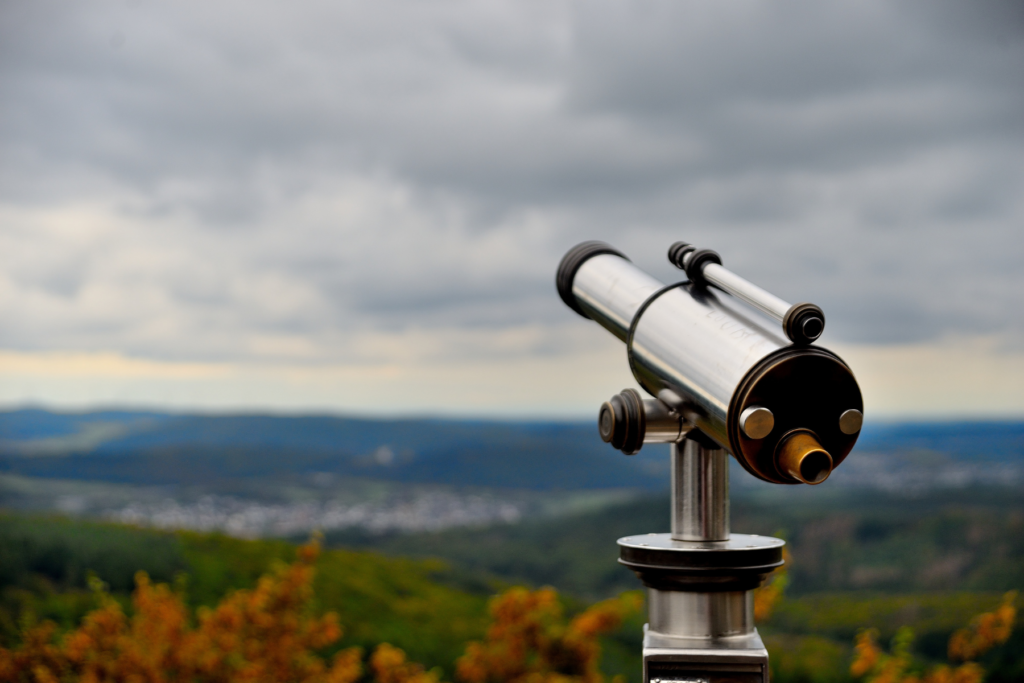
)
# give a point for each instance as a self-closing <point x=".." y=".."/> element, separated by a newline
<point x="395" y="182"/>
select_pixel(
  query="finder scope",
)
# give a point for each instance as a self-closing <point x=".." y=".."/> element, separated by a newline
<point x="720" y="355"/>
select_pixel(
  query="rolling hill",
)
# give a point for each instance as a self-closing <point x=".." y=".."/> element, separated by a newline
<point x="159" y="448"/>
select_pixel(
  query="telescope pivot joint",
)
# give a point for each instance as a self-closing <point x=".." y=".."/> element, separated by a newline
<point x="627" y="421"/>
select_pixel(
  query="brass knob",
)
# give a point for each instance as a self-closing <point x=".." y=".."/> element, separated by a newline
<point x="757" y="422"/>
<point x="801" y="456"/>
<point x="851" y="421"/>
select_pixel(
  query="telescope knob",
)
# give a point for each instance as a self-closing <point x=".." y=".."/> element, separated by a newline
<point x="677" y="254"/>
<point x="627" y="421"/>
<point x="688" y="258"/>
<point x="622" y="421"/>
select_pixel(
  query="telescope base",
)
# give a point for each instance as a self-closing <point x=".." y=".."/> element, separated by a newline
<point x="700" y="597"/>
<point x="736" y="659"/>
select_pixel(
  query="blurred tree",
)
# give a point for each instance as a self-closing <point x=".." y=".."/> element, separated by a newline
<point x="269" y="634"/>
<point x="985" y="631"/>
<point x="529" y="639"/>
<point x="768" y="596"/>
<point x="266" y="634"/>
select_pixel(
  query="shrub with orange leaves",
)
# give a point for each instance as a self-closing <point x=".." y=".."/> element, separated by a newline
<point x="768" y="596"/>
<point x="529" y="639"/>
<point x="866" y="653"/>
<point x="266" y="634"/>
<point x="986" y="631"/>
<point x="389" y="665"/>
<point x="269" y="634"/>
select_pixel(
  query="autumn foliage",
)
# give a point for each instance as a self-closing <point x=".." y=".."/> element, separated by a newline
<point x="967" y="644"/>
<point x="270" y="634"/>
<point x="529" y="640"/>
<point x="767" y="597"/>
<point x="985" y="631"/>
<point x="266" y="634"/>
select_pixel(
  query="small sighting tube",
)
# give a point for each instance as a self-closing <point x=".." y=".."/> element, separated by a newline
<point x="700" y="492"/>
<point x="803" y="323"/>
<point x="730" y="282"/>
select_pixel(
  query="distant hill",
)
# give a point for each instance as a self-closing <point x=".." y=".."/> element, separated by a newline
<point x="158" y="448"/>
<point x="150" y="448"/>
<point x="998" y="441"/>
<point x="840" y="540"/>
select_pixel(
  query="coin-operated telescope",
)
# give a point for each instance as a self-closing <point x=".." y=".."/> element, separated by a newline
<point x="731" y="369"/>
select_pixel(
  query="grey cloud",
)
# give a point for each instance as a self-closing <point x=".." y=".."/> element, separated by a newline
<point x="866" y="155"/>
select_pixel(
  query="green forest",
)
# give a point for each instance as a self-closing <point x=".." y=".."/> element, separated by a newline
<point x="928" y="563"/>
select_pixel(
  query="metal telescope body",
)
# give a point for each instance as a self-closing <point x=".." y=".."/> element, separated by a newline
<point x="731" y="369"/>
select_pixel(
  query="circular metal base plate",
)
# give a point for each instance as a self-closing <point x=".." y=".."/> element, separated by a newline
<point x="741" y="563"/>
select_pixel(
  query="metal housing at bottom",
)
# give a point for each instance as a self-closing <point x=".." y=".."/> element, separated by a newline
<point x="737" y="659"/>
<point x="700" y="601"/>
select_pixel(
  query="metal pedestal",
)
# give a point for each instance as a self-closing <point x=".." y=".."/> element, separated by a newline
<point x="700" y="579"/>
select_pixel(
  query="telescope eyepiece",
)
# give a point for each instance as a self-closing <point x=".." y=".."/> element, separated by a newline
<point x="801" y="456"/>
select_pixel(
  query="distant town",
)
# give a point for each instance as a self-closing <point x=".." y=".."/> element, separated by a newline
<point x="427" y="511"/>
<point x="266" y="476"/>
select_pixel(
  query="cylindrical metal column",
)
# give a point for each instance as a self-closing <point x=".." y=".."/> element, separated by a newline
<point x="700" y="492"/>
<point x="701" y="615"/>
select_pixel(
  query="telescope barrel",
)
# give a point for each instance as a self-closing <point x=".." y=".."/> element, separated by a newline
<point x="724" y="368"/>
<point x="610" y="293"/>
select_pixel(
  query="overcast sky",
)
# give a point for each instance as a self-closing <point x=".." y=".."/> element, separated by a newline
<point x="353" y="206"/>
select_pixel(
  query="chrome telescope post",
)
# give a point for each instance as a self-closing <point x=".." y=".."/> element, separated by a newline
<point x="700" y="578"/>
<point x="725" y="381"/>
<point x="700" y="492"/>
